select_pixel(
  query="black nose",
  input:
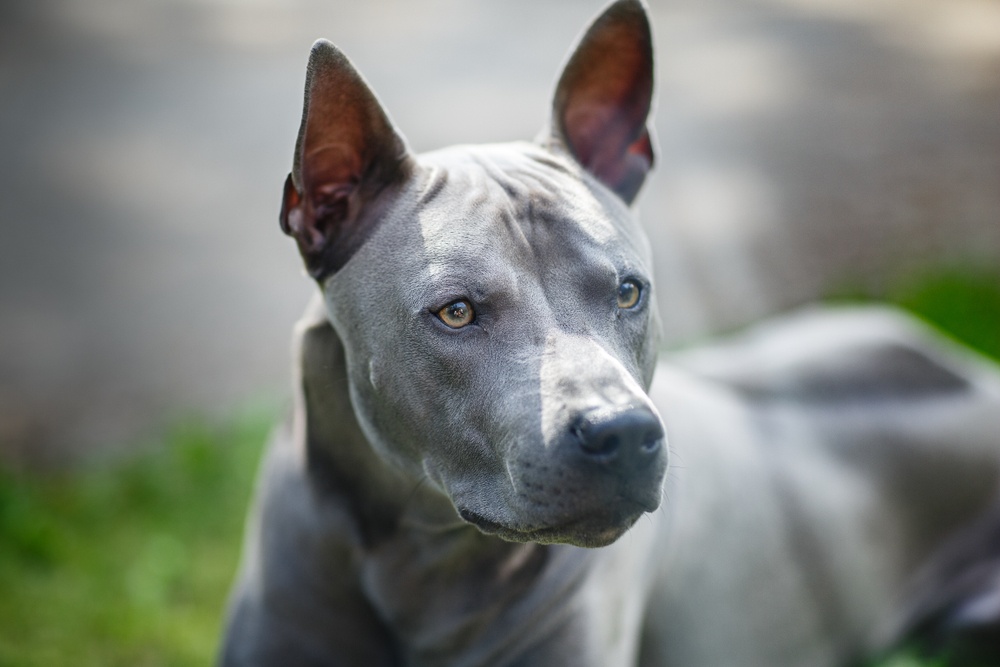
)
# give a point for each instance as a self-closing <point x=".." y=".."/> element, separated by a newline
<point x="631" y="435"/>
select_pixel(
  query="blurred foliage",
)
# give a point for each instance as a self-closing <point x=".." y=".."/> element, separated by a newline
<point x="130" y="563"/>
<point x="907" y="660"/>
<point x="961" y="301"/>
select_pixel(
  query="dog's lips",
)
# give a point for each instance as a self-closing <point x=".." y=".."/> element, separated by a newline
<point x="585" y="532"/>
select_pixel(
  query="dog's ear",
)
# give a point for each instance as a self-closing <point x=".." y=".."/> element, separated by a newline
<point x="347" y="153"/>
<point x="604" y="96"/>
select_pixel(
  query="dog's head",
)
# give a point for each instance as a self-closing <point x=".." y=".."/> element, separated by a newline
<point x="495" y="302"/>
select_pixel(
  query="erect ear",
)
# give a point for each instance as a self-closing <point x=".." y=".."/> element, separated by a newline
<point x="346" y="155"/>
<point x="603" y="99"/>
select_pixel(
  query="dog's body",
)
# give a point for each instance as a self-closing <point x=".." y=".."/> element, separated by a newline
<point x="477" y="405"/>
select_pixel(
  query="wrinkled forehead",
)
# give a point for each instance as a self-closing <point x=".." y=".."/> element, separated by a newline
<point x="513" y="193"/>
<point x="487" y="220"/>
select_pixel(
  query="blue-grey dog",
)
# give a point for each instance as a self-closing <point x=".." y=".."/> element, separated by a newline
<point x="476" y="472"/>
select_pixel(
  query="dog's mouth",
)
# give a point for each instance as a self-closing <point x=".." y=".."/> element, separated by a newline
<point x="590" y="531"/>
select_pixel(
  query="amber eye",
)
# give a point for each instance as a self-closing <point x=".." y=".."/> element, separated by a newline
<point x="628" y="294"/>
<point x="457" y="314"/>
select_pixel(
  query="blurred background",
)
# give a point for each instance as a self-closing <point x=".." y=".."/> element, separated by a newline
<point x="807" y="149"/>
<point x="803" y="144"/>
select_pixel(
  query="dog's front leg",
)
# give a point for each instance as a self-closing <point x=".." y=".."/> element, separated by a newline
<point x="298" y="601"/>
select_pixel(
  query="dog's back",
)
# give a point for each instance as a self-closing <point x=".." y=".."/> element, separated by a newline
<point x="824" y="459"/>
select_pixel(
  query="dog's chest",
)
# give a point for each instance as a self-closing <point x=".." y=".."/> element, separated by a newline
<point x="461" y="598"/>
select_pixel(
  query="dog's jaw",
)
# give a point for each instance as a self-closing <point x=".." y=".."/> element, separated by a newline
<point x="591" y="532"/>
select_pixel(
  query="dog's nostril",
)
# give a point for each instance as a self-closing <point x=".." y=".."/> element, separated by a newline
<point x="606" y="435"/>
<point x="595" y="440"/>
<point x="602" y="447"/>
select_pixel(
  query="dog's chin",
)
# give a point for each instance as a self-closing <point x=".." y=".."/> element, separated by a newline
<point x="588" y="531"/>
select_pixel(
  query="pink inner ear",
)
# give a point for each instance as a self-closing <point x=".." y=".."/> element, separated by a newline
<point x="346" y="155"/>
<point x="603" y="100"/>
<point x="599" y="134"/>
<point x="328" y="168"/>
<point x="637" y="163"/>
<point x="602" y="137"/>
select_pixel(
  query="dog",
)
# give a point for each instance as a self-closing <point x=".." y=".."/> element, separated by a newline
<point x="488" y="466"/>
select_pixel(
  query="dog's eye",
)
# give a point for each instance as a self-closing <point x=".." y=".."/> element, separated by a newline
<point x="628" y="294"/>
<point x="457" y="314"/>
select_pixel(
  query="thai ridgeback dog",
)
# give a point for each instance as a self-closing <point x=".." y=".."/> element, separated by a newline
<point x="476" y="471"/>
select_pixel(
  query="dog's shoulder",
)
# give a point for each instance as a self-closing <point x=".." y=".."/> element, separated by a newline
<point x="837" y="356"/>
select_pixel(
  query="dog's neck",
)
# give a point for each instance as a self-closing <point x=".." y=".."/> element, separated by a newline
<point x="339" y="458"/>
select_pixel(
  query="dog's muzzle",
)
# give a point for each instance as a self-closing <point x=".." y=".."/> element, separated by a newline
<point x="626" y="445"/>
<point x="587" y="488"/>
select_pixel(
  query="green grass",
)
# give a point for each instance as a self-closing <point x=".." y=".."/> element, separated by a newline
<point x="961" y="301"/>
<point x="130" y="563"/>
<point x="907" y="660"/>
